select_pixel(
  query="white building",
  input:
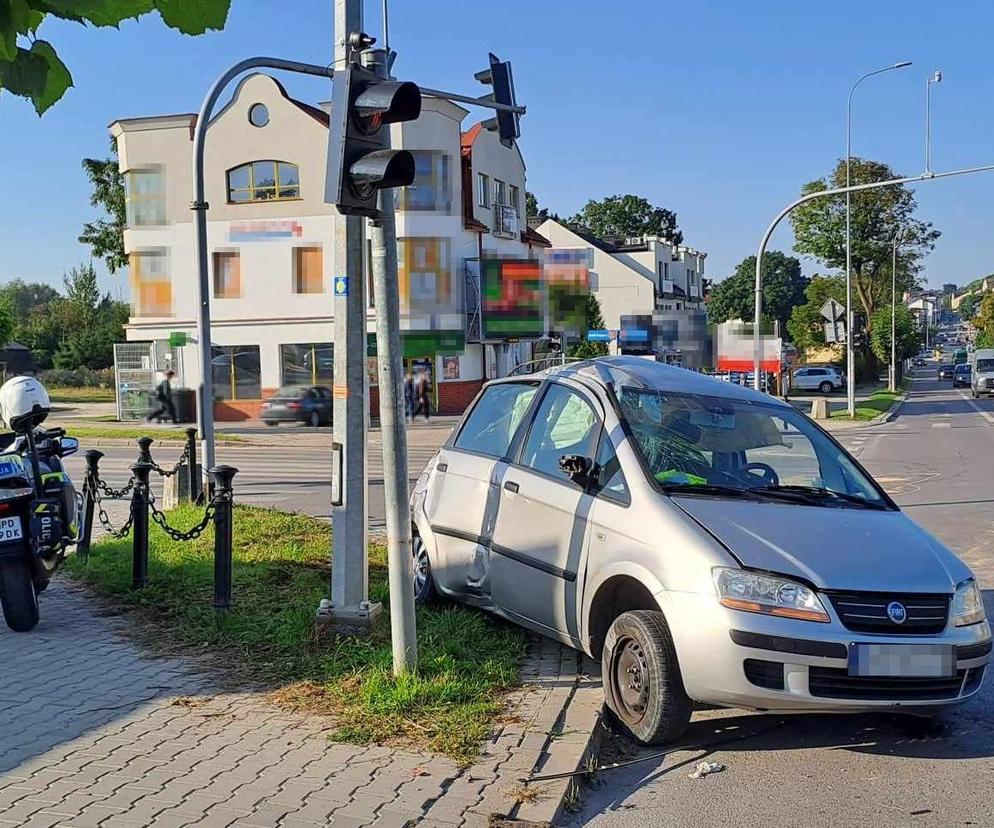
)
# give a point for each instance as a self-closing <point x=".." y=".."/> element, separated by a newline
<point x="270" y="237"/>
<point x="637" y="280"/>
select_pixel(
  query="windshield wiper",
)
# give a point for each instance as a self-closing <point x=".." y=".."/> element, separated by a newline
<point x="708" y="489"/>
<point x="816" y="494"/>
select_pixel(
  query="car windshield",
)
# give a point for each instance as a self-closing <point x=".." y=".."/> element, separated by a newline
<point x="720" y="446"/>
<point x="962" y="369"/>
<point x="985" y="365"/>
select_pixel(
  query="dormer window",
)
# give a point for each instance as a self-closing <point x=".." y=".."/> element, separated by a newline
<point x="263" y="181"/>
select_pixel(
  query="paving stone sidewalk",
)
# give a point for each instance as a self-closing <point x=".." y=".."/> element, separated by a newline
<point x="96" y="732"/>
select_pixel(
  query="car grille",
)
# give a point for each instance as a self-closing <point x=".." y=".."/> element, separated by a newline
<point x="834" y="683"/>
<point x="988" y="384"/>
<point x="867" y="612"/>
<point x="768" y="674"/>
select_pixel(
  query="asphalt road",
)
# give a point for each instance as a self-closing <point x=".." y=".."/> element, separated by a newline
<point x="935" y="458"/>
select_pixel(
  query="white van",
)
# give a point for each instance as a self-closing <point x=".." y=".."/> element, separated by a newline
<point x="983" y="372"/>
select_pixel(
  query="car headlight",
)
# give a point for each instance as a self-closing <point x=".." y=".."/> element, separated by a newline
<point x="968" y="606"/>
<point x="767" y="594"/>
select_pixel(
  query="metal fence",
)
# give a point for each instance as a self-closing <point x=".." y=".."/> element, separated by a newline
<point x="134" y="379"/>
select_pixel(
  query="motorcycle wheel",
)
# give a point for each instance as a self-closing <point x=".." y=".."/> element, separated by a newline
<point x="18" y="597"/>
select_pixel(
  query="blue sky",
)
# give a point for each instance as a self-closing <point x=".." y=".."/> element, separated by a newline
<point x="719" y="110"/>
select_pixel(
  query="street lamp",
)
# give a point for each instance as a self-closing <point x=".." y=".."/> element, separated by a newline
<point x="892" y="384"/>
<point x="850" y="357"/>
<point x="935" y="77"/>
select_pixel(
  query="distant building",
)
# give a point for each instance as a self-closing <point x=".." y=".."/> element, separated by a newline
<point x="949" y="288"/>
<point x="15" y="359"/>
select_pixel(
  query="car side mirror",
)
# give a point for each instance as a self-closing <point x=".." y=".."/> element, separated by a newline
<point x="577" y="468"/>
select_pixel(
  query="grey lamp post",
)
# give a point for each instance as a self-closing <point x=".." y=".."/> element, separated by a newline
<point x="935" y="77"/>
<point x="850" y="356"/>
<point x="892" y="385"/>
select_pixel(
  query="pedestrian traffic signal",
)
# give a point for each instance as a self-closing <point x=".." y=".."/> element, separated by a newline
<point x="359" y="161"/>
<point x="499" y="76"/>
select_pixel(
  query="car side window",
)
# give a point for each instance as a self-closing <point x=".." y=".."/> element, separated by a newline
<point x="495" y="418"/>
<point x="610" y="481"/>
<point x="564" y="424"/>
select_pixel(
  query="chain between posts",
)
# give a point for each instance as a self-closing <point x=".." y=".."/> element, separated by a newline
<point x="195" y="531"/>
<point x="175" y="469"/>
<point x="102" y="515"/>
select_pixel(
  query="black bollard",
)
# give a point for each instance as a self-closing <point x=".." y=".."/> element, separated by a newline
<point x="144" y="450"/>
<point x="223" y="534"/>
<point x="193" y="483"/>
<point x="90" y="480"/>
<point x="139" y="528"/>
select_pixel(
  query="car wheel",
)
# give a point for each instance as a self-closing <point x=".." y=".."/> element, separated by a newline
<point x="18" y="596"/>
<point x="270" y="423"/>
<point x="643" y="687"/>
<point x="314" y="419"/>
<point x="424" y="582"/>
<point x="825" y="387"/>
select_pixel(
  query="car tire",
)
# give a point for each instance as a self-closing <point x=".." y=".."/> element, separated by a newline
<point x="643" y="686"/>
<point x="271" y="423"/>
<point x="18" y="596"/>
<point x="314" y="419"/>
<point x="424" y="582"/>
<point x="825" y="387"/>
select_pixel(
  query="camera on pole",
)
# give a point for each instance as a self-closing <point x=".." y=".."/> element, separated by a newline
<point x="499" y="76"/>
<point x="359" y="165"/>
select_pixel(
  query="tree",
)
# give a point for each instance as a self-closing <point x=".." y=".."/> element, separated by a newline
<point x="906" y="333"/>
<point x="23" y="296"/>
<point x="878" y="217"/>
<point x="532" y="209"/>
<point x="968" y="306"/>
<point x="37" y="72"/>
<point x="106" y="235"/>
<point x="91" y="323"/>
<point x="983" y="321"/>
<point x="783" y="289"/>
<point x="620" y="216"/>
<point x="584" y="349"/>
<point x="806" y="325"/>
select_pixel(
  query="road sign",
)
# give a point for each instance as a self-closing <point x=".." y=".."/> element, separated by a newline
<point x="341" y="286"/>
<point x="833" y="311"/>
<point x="177" y="339"/>
<point x="835" y="331"/>
<point x="598" y="336"/>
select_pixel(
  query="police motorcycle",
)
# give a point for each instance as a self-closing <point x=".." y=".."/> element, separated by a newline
<point x="38" y="504"/>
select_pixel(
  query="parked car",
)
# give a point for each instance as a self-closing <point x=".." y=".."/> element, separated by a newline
<point x="824" y="379"/>
<point x="707" y="543"/>
<point x="310" y="404"/>
<point x="946" y="370"/>
<point x="961" y="376"/>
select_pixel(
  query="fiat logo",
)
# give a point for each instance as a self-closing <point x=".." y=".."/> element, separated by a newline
<point x="896" y="612"/>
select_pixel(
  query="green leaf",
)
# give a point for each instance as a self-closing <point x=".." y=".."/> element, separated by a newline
<point x="194" y="17"/>
<point x="37" y="74"/>
<point x="98" y="12"/>
<point x="16" y="18"/>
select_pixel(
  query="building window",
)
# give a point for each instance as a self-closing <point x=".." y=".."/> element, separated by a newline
<point x="145" y="197"/>
<point x="425" y="274"/>
<point x="258" y="115"/>
<point x="308" y="270"/>
<point x="263" y="181"/>
<point x="516" y="200"/>
<point x="431" y="190"/>
<point x="227" y="275"/>
<point x="236" y="372"/>
<point x="500" y="193"/>
<point x="151" y="287"/>
<point x="483" y="187"/>
<point x="310" y="364"/>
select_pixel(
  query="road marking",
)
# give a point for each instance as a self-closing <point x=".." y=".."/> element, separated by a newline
<point x="973" y="403"/>
<point x="942" y="425"/>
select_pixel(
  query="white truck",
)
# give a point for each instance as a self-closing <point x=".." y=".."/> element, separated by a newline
<point x="982" y="381"/>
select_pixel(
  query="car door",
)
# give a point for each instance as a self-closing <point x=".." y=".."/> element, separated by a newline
<point x="324" y="400"/>
<point x="801" y="379"/>
<point x="463" y="490"/>
<point x="540" y="535"/>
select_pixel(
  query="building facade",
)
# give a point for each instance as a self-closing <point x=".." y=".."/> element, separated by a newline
<point x="271" y="245"/>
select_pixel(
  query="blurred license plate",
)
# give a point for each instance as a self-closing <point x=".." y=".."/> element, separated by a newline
<point x="901" y="660"/>
<point x="10" y="529"/>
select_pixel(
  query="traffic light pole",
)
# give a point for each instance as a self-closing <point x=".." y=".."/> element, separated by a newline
<point x="349" y="562"/>
<point x="393" y="424"/>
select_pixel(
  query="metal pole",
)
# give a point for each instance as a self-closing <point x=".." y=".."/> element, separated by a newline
<point x="928" y="123"/>
<point x="349" y="562"/>
<point x="199" y="205"/>
<point x="873" y="185"/>
<point x="139" y="526"/>
<point x="223" y="525"/>
<point x="892" y="385"/>
<point x="191" y="462"/>
<point x="90" y="483"/>
<point x="393" y="426"/>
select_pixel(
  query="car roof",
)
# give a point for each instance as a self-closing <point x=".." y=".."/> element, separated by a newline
<point x="638" y="372"/>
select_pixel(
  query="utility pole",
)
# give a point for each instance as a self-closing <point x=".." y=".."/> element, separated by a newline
<point x="349" y="568"/>
<point x="393" y="424"/>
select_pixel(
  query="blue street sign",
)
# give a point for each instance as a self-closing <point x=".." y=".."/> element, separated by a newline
<point x="598" y="336"/>
<point x="341" y="286"/>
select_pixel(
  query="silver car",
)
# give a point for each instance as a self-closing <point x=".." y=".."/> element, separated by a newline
<point x="706" y="542"/>
<point x="825" y="379"/>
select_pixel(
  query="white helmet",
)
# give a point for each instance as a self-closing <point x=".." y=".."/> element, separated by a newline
<point x="24" y="403"/>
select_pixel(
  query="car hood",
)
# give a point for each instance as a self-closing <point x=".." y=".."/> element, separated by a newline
<point x="831" y="548"/>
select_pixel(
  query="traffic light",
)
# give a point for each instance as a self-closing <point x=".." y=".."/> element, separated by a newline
<point x="359" y="165"/>
<point x="499" y="76"/>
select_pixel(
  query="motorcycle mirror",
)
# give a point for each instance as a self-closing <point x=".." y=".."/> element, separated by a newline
<point x="67" y="446"/>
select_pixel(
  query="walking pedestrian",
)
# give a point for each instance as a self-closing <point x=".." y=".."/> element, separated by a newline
<point x="164" y="396"/>
<point x="423" y="395"/>
<point x="409" y="404"/>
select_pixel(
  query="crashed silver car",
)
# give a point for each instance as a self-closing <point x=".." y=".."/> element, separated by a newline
<point x="706" y="542"/>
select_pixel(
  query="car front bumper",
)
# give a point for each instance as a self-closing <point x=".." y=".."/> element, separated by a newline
<point x="741" y="659"/>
